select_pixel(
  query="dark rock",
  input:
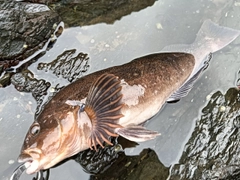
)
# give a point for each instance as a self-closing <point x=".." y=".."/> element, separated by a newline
<point x="4" y="65"/>
<point x="67" y="66"/>
<point x="111" y="164"/>
<point x="25" y="82"/>
<point x="5" y="79"/>
<point x="213" y="150"/>
<point x="25" y="28"/>
<point x="144" y="166"/>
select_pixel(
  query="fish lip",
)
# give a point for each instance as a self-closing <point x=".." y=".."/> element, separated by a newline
<point x="22" y="158"/>
<point x="32" y="165"/>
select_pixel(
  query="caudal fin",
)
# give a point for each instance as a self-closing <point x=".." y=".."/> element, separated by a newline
<point x="214" y="36"/>
<point x="210" y="38"/>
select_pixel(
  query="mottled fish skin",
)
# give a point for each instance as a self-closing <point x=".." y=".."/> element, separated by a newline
<point x="159" y="74"/>
<point x="63" y="132"/>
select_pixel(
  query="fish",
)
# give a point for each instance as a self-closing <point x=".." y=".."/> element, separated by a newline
<point x="116" y="101"/>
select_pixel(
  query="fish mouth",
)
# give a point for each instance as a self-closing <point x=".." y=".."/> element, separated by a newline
<point x="32" y="165"/>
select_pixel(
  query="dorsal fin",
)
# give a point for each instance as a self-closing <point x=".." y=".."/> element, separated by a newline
<point x="184" y="89"/>
<point x="103" y="106"/>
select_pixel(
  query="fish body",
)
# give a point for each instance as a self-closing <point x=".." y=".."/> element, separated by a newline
<point x="146" y="82"/>
<point x="115" y="101"/>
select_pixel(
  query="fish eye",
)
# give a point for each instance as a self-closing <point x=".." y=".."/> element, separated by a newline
<point x="35" y="129"/>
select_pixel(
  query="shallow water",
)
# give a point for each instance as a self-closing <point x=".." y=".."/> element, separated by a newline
<point x="138" y="34"/>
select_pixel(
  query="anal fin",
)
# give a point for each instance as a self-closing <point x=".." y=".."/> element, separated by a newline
<point x="136" y="133"/>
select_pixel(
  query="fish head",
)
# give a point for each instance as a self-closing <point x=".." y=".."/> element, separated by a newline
<point x="51" y="139"/>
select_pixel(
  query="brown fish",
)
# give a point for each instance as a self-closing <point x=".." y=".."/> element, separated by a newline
<point x="114" y="101"/>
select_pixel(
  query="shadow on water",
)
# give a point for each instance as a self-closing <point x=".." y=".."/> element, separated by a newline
<point x="206" y="148"/>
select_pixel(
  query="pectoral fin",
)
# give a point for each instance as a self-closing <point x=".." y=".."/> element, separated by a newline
<point x="136" y="133"/>
<point x="103" y="106"/>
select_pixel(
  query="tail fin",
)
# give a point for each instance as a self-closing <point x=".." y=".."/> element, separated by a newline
<point x="210" y="38"/>
<point x="214" y="36"/>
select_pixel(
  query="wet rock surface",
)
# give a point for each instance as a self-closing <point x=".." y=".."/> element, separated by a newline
<point x="24" y="82"/>
<point x="67" y="66"/>
<point x="25" y="28"/>
<point x="213" y="150"/>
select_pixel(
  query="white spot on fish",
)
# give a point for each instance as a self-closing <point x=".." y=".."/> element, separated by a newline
<point x="75" y="102"/>
<point x="131" y="94"/>
<point x="82" y="116"/>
